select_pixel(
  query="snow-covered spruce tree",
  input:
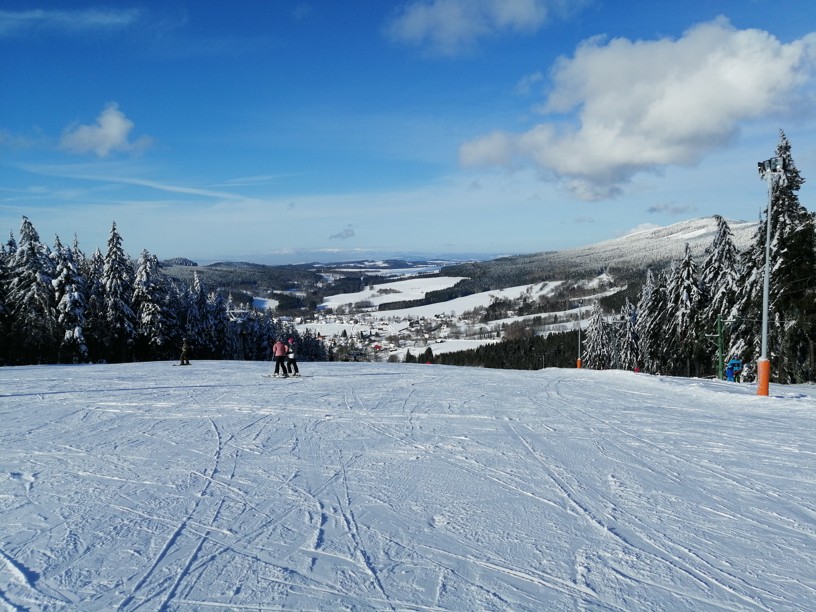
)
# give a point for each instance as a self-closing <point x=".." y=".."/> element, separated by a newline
<point x="172" y="292"/>
<point x="684" y="329"/>
<point x="719" y="278"/>
<point x="651" y="323"/>
<point x="69" y="294"/>
<point x="237" y="315"/>
<point x="199" y="328"/>
<point x="34" y="331"/>
<point x="11" y="245"/>
<point x="792" y="284"/>
<point x="255" y="342"/>
<point x="152" y="333"/>
<point x="120" y="320"/>
<point x="258" y="332"/>
<point x="5" y="279"/>
<point x="173" y="297"/>
<point x="93" y="269"/>
<point x="4" y="275"/>
<point x="628" y="352"/>
<point x="54" y="254"/>
<point x="271" y="330"/>
<point x="612" y="333"/>
<point x="596" y="349"/>
<point x="223" y="332"/>
<point x="312" y="347"/>
<point x="78" y="256"/>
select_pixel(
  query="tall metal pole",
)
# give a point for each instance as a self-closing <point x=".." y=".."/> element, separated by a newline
<point x="579" y="363"/>
<point x="766" y="283"/>
<point x="772" y="171"/>
<point x="720" y="360"/>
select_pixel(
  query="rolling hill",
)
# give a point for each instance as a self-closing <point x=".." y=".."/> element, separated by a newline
<point x="626" y="257"/>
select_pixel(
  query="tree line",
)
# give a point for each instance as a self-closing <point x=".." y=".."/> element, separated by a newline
<point x="59" y="306"/>
<point x="684" y="313"/>
<point x="557" y="350"/>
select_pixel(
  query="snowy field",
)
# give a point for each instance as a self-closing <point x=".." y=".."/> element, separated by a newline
<point x="402" y="487"/>
<point x="454" y="307"/>
<point x="396" y="291"/>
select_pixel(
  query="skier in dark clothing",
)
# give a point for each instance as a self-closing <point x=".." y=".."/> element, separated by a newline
<point x="185" y="359"/>
<point x="291" y="358"/>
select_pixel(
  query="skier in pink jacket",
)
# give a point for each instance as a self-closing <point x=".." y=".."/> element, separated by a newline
<point x="279" y="351"/>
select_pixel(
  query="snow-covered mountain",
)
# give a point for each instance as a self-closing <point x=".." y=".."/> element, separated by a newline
<point x="658" y="245"/>
<point x="625" y="255"/>
<point x="401" y="487"/>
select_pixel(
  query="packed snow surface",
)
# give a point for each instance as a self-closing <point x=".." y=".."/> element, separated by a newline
<point x="402" y="487"/>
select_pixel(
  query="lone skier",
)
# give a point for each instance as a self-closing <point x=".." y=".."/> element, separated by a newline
<point x="736" y="368"/>
<point x="185" y="350"/>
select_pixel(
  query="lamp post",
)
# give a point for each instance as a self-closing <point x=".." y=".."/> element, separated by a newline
<point x="773" y="171"/>
<point x="578" y="363"/>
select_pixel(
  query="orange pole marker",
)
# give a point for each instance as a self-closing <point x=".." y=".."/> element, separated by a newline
<point x="763" y="376"/>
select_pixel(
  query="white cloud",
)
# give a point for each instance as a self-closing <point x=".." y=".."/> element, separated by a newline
<point x="20" y="22"/>
<point x="672" y="209"/>
<point x="451" y="27"/>
<point x="105" y="172"/>
<point x="494" y="149"/>
<point x="526" y="84"/>
<point x="110" y="133"/>
<point x="347" y="233"/>
<point x="647" y="104"/>
<point x="20" y="141"/>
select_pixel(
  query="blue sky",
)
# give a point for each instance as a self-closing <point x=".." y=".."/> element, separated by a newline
<point x="280" y="131"/>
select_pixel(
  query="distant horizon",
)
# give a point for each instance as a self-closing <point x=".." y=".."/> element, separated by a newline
<point x="414" y="256"/>
<point x="339" y="258"/>
<point x="308" y="256"/>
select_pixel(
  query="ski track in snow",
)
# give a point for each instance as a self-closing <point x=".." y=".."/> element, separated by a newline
<point x="637" y="540"/>
<point x="401" y="487"/>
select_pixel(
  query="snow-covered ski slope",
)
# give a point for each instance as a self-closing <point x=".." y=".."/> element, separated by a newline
<point x="402" y="487"/>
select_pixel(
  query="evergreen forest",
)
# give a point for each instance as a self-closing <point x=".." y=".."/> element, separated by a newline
<point x="693" y="316"/>
<point x="58" y="305"/>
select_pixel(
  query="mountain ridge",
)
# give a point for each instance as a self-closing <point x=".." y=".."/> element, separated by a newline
<point x="626" y="255"/>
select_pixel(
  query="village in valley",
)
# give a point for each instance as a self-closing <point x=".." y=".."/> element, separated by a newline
<point x="387" y="311"/>
<point x="354" y="327"/>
